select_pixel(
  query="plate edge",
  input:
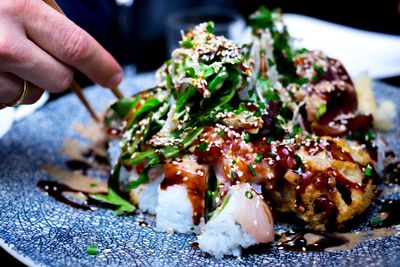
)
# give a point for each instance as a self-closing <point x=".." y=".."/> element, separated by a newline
<point x="17" y="255"/>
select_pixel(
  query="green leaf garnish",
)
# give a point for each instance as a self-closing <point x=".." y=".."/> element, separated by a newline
<point x="166" y="152"/>
<point x="149" y="105"/>
<point x="124" y="106"/>
<point x="113" y="198"/>
<point x="261" y="19"/>
<point x="143" y="179"/>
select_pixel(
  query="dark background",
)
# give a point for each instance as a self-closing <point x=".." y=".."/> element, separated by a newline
<point x="142" y="41"/>
<point x="147" y="49"/>
<point x="146" y="44"/>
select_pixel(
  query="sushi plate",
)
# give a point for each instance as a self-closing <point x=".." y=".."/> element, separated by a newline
<point x="39" y="231"/>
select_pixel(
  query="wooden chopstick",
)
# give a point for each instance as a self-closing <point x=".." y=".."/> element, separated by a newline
<point x="75" y="86"/>
<point x="78" y="91"/>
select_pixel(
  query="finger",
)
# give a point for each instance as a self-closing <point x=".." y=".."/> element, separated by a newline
<point x="70" y="44"/>
<point x="25" y="59"/>
<point x="34" y="94"/>
<point x="11" y="89"/>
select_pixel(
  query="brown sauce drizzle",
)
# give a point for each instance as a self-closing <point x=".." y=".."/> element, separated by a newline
<point x="329" y="242"/>
<point x="94" y="155"/>
<point x="57" y="191"/>
<point x="193" y="180"/>
<point x="314" y="147"/>
<point x="78" y="165"/>
<point x="195" y="245"/>
<point x="83" y="158"/>
<point x="73" y="186"/>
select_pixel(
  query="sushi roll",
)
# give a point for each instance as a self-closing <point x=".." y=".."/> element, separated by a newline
<point x="181" y="196"/>
<point x="243" y="219"/>
<point x="145" y="196"/>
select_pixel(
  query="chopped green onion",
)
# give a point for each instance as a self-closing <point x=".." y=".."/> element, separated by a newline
<point x="93" y="185"/>
<point x="249" y="195"/>
<point x="211" y="116"/>
<point x="321" y="110"/>
<point x="270" y="139"/>
<point x="270" y="62"/>
<point x="234" y="175"/>
<point x="258" y="158"/>
<point x="368" y="171"/>
<point x="299" y="162"/>
<point x="301" y="81"/>
<point x="242" y="107"/>
<point x="251" y="168"/>
<point x="186" y="43"/>
<point x="92" y="250"/>
<point x="247" y="138"/>
<point x="210" y="27"/>
<point x="234" y="161"/>
<point x="190" y="72"/>
<point x="206" y="70"/>
<point x="203" y="146"/>
<point x="271" y="95"/>
<point x="319" y="70"/>
<point x="295" y="131"/>
<point x="222" y="134"/>
<point x="375" y="220"/>
<point x="369" y="135"/>
<point x="301" y="51"/>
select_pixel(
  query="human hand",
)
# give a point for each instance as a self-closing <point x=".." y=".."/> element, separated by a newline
<point x="41" y="46"/>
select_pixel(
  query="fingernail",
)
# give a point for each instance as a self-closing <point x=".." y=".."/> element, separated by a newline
<point x="115" y="80"/>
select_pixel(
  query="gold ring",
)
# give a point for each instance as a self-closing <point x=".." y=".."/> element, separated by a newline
<point x="21" y="98"/>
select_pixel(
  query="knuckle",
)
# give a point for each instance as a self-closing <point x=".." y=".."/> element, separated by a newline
<point x="76" y="44"/>
<point x="12" y="8"/>
<point x="10" y="53"/>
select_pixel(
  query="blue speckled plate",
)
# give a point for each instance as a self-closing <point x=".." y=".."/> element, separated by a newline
<point x="38" y="230"/>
